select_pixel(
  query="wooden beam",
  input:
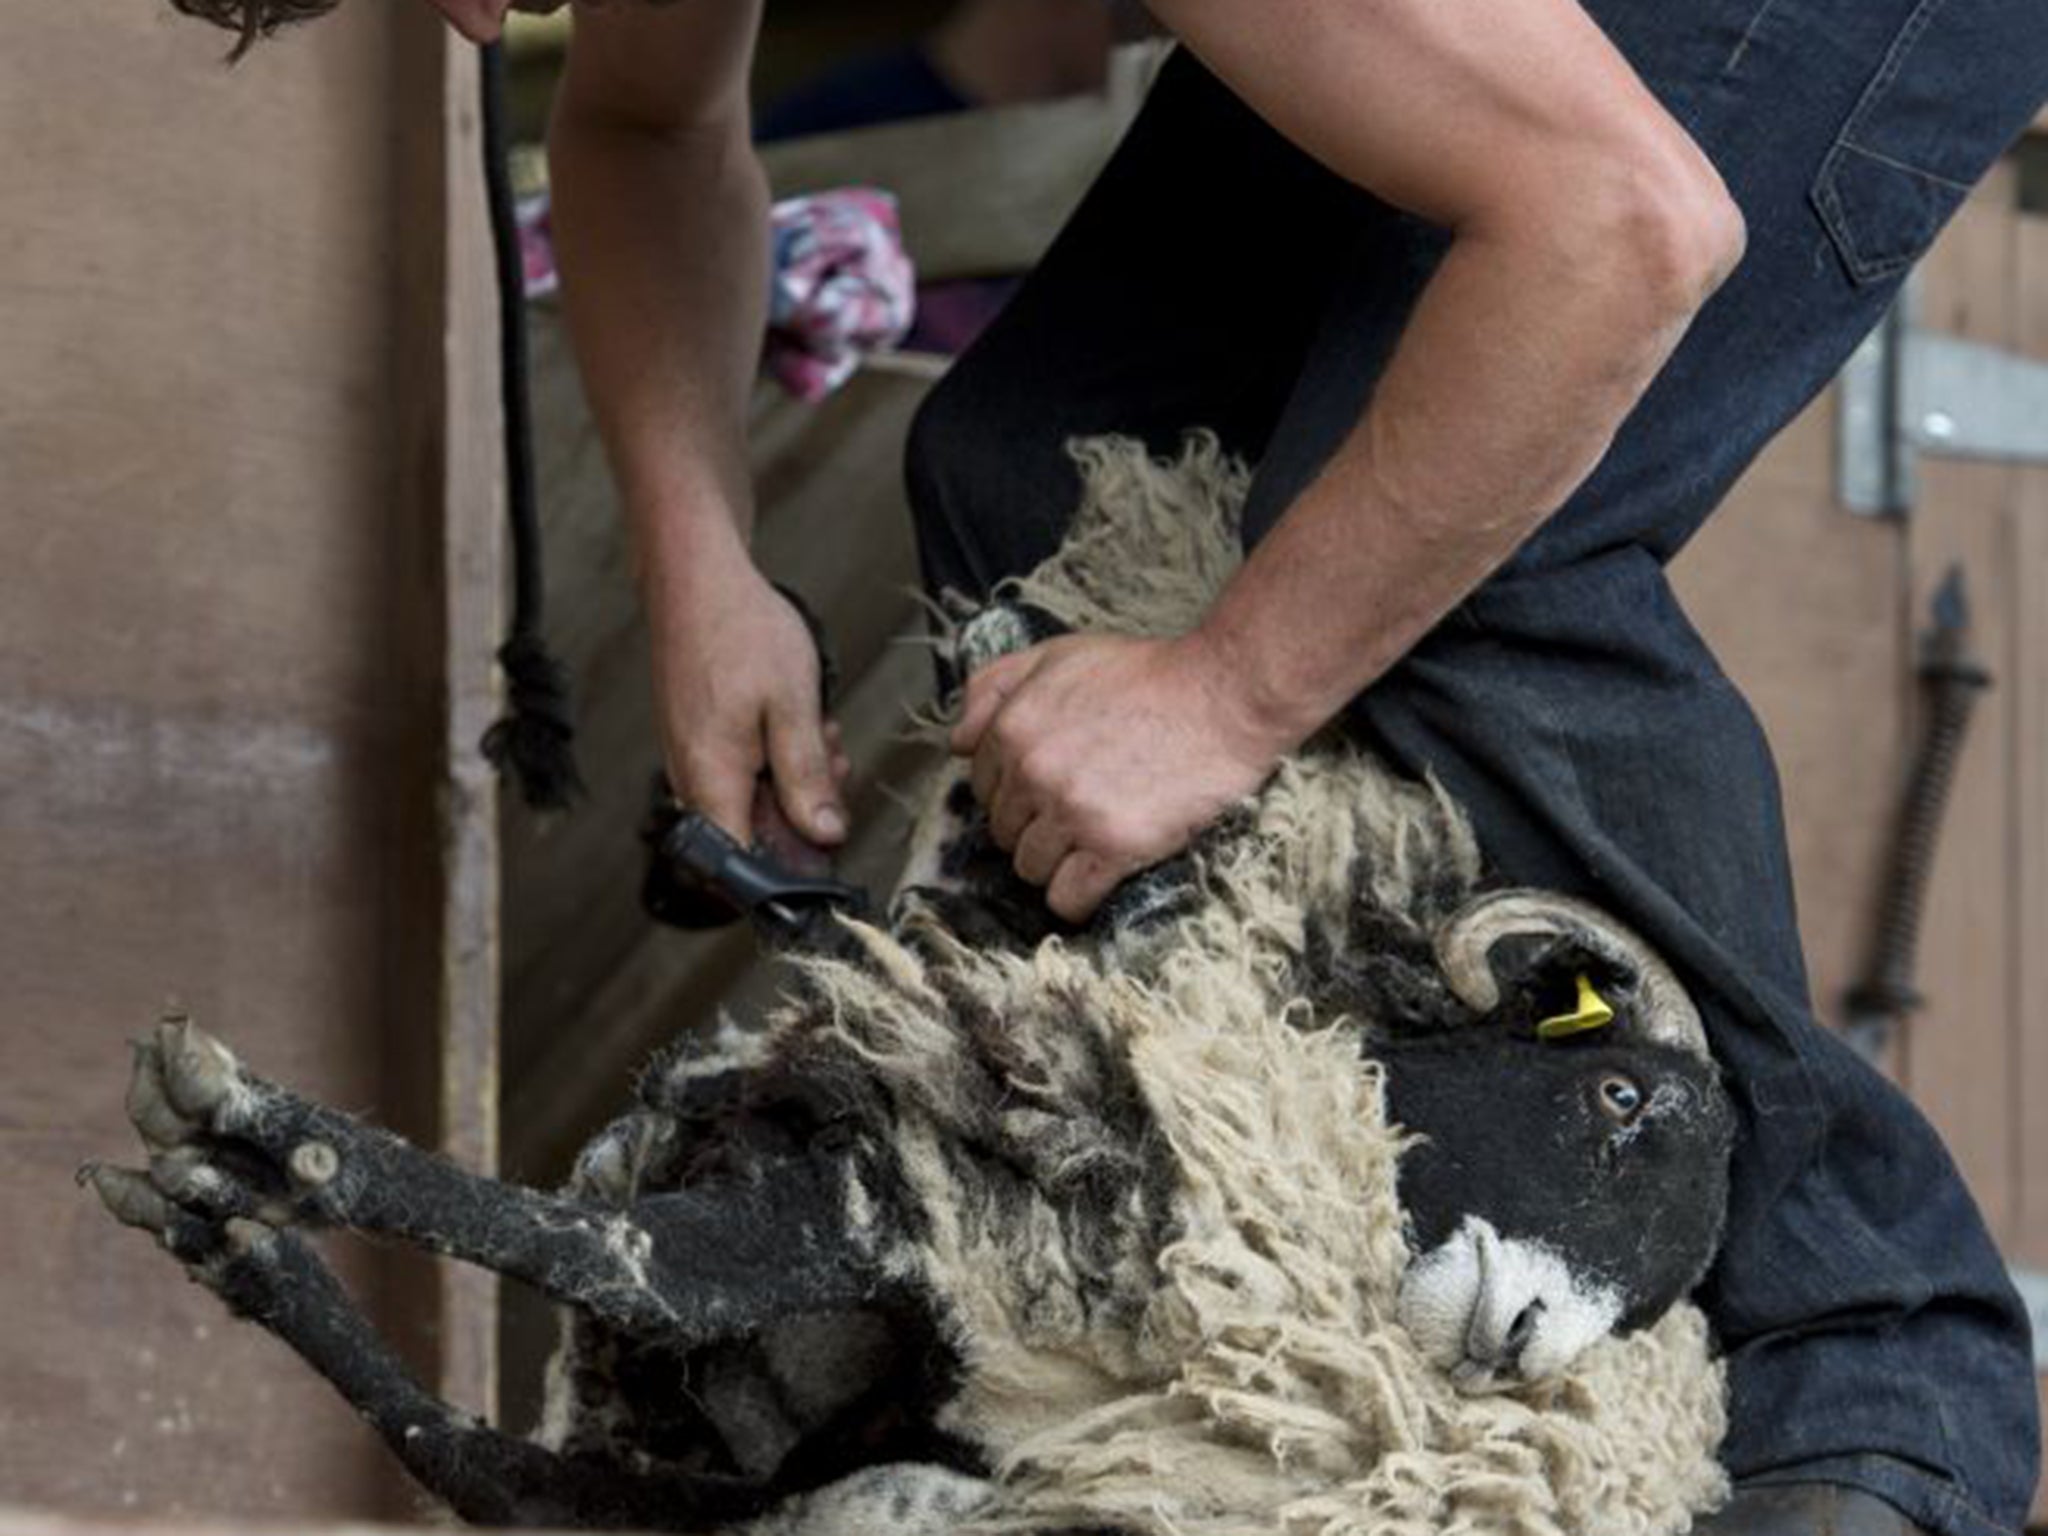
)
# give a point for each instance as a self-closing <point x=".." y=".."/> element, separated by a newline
<point x="449" y="549"/>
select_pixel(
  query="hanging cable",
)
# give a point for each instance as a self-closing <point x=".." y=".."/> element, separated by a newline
<point x="536" y="737"/>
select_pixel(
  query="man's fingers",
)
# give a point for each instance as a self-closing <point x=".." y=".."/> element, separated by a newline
<point x="726" y="796"/>
<point x="986" y="692"/>
<point x="1039" y="851"/>
<point x="1012" y="811"/>
<point x="1080" y="883"/>
<point x="835" y="752"/>
<point x="985" y="773"/>
<point x="801" y="764"/>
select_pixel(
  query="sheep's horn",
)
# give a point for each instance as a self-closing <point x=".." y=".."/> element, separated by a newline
<point x="1465" y="945"/>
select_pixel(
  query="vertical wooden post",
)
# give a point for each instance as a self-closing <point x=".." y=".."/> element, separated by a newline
<point x="450" y="549"/>
<point x="249" y="489"/>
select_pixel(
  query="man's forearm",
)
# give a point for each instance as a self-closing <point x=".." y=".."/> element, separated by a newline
<point x="1587" y="230"/>
<point x="1522" y="358"/>
<point x="663" y="238"/>
<point x="661" y="219"/>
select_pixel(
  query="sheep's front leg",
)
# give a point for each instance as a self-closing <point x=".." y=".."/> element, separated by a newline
<point x="274" y="1279"/>
<point x="694" y="1266"/>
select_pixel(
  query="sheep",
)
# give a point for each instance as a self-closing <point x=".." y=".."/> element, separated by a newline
<point x="1265" y="1203"/>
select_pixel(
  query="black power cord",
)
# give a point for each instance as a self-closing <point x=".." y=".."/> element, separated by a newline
<point x="536" y="738"/>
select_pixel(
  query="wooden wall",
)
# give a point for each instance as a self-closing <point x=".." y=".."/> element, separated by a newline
<point x="226" y="702"/>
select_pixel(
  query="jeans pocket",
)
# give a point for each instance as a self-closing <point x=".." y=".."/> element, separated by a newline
<point x="1958" y="81"/>
<point x="1881" y="206"/>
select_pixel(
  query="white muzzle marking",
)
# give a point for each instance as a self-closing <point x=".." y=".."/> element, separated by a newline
<point x="1494" y="1312"/>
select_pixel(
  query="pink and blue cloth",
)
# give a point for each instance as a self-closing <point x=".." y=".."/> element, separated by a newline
<point x="842" y="286"/>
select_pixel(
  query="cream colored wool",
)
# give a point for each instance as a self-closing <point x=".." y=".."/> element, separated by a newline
<point x="1258" y="1381"/>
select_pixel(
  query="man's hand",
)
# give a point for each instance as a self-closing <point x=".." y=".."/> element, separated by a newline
<point x="736" y="690"/>
<point x="1098" y="755"/>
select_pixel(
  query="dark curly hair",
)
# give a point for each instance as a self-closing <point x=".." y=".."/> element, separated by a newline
<point x="251" y="19"/>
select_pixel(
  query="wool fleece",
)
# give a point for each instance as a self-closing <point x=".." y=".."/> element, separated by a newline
<point x="1249" y="1374"/>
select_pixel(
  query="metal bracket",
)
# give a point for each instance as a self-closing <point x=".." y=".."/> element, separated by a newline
<point x="1906" y="392"/>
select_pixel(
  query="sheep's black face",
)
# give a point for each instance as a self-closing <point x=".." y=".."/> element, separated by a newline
<point x="1565" y="1190"/>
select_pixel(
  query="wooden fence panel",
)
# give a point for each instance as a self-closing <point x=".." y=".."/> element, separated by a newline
<point x="245" y="661"/>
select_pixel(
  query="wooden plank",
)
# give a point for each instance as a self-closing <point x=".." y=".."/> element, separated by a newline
<point x="1957" y="1055"/>
<point x="195" y="724"/>
<point x="2026" y="684"/>
<point x="443" y="1025"/>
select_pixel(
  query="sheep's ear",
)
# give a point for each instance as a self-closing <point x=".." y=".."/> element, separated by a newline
<point x="1001" y="628"/>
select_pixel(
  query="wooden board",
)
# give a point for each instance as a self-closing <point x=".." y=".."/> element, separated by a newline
<point x="2027" y="689"/>
<point x="224" y="720"/>
<point x="449" y="423"/>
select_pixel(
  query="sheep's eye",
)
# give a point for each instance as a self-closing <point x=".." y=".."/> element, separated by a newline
<point x="1621" y="1099"/>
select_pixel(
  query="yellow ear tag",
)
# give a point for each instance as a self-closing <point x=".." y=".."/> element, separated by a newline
<point x="1593" y="1012"/>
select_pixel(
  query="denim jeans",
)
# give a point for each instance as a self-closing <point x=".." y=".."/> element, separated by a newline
<point x="1216" y="277"/>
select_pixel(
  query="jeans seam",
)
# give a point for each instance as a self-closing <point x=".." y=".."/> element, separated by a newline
<point x="1864" y="268"/>
<point x="1894" y="61"/>
<point x="1849" y="144"/>
<point x="1748" y="35"/>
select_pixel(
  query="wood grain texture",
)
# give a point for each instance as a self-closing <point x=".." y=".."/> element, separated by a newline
<point x="2027" y="686"/>
<point x="443" y="1018"/>
<point x="221" y="745"/>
